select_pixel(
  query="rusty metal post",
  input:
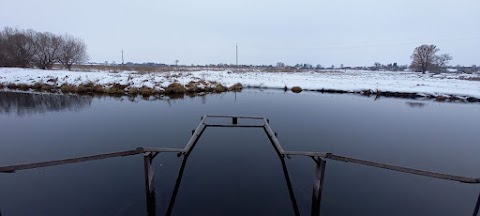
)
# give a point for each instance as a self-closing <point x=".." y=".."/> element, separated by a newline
<point x="318" y="186"/>
<point x="149" y="183"/>
<point x="289" y="186"/>
<point x="171" y="205"/>
<point x="477" y="206"/>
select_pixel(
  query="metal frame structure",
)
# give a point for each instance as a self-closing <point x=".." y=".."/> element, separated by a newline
<point x="320" y="158"/>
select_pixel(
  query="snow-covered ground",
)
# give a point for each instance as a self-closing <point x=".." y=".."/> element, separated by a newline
<point x="449" y="84"/>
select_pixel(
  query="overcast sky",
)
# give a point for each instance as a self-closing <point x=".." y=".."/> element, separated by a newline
<point x="326" y="32"/>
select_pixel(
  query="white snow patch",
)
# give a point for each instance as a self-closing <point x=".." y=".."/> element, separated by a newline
<point x="350" y="80"/>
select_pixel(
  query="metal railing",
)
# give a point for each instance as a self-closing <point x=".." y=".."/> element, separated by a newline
<point x="320" y="158"/>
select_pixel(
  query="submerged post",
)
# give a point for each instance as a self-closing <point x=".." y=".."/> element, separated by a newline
<point x="289" y="185"/>
<point x="477" y="206"/>
<point x="318" y="186"/>
<point x="149" y="183"/>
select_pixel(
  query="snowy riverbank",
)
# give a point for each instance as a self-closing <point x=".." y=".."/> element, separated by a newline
<point x="458" y="85"/>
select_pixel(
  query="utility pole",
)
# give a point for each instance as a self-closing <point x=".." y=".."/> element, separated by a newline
<point x="236" y="56"/>
<point x="122" y="57"/>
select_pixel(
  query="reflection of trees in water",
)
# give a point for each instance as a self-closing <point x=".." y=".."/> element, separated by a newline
<point x="27" y="103"/>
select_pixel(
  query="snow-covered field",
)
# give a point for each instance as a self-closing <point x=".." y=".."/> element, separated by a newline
<point x="448" y="84"/>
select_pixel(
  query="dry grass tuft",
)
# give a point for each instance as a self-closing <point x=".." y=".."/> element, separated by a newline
<point x="67" y="88"/>
<point x="82" y="89"/>
<point x="296" y="89"/>
<point x="237" y="87"/>
<point x="192" y="86"/>
<point x="99" y="89"/>
<point x="116" y="89"/>
<point x="147" y="91"/>
<point x="133" y="91"/>
<point x="46" y="87"/>
<point x="23" y="87"/>
<point x="220" y="88"/>
<point x="86" y="88"/>
<point x="441" y="98"/>
<point x="12" y="86"/>
<point x="175" y="88"/>
<point x="119" y="86"/>
<point x="37" y="86"/>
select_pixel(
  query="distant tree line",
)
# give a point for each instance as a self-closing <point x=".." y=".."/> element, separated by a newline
<point x="388" y="67"/>
<point x="28" y="48"/>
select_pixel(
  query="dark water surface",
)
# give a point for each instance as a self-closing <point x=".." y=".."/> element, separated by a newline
<point x="236" y="171"/>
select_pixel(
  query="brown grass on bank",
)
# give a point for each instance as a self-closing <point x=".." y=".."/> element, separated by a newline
<point x="237" y="87"/>
<point x="116" y="89"/>
<point x="37" y="86"/>
<point x="23" y="87"/>
<point x="90" y="87"/>
<point x="133" y="91"/>
<point x="99" y="89"/>
<point x="220" y="88"/>
<point x="192" y="86"/>
<point x="296" y="89"/>
<point x="147" y="91"/>
<point x="46" y="87"/>
<point x="67" y="88"/>
<point x="440" y="98"/>
<point x="12" y="86"/>
<point x="82" y="89"/>
<point x="175" y="88"/>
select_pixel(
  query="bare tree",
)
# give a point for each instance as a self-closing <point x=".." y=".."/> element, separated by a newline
<point x="49" y="49"/>
<point x="440" y="62"/>
<point x="423" y="57"/>
<point x="26" y="48"/>
<point x="17" y="47"/>
<point x="73" y="51"/>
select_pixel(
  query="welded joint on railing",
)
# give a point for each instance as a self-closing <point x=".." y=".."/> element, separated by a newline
<point x="318" y="185"/>
<point x="273" y="138"/>
<point x="195" y="137"/>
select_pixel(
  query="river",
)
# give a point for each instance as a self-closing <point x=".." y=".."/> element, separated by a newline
<point x="236" y="171"/>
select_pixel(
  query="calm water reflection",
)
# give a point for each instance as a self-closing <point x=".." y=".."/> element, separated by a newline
<point x="25" y="103"/>
<point x="415" y="104"/>
<point x="236" y="171"/>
